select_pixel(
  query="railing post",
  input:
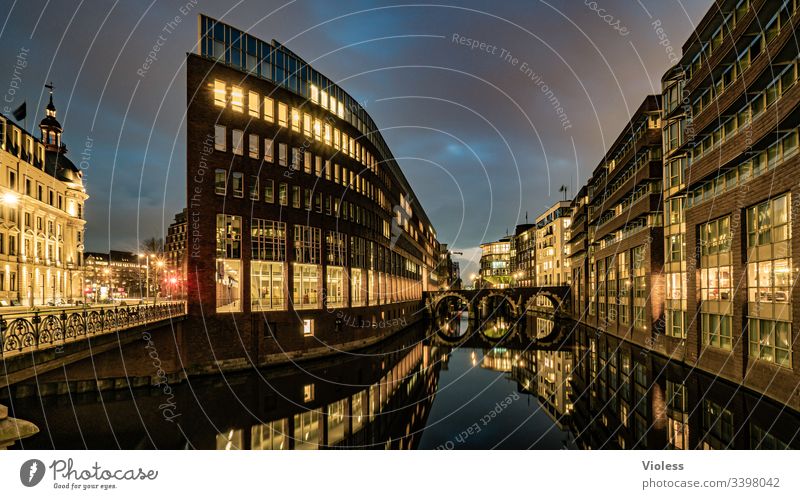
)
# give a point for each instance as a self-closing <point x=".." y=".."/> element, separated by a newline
<point x="36" y="330"/>
<point x="3" y="327"/>
<point x="64" y="326"/>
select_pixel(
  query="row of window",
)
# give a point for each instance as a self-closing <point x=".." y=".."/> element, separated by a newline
<point x="320" y="130"/>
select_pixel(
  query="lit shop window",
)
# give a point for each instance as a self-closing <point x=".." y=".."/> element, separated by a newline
<point x="357" y="293"/>
<point x="334" y="296"/>
<point x="219" y="93"/>
<point x="266" y="286"/>
<point x="237" y="99"/>
<point x="228" y="274"/>
<point x="269" y="110"/>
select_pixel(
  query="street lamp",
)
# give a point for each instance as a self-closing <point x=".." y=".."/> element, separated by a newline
<point x="159" y="265"/>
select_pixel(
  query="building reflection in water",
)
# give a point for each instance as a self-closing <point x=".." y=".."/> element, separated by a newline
<point x="596" y="392"/>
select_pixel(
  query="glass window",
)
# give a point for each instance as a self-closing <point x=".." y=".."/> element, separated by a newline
<point x="237" y="99"/>
<point x="269" y="154"/>
<point x="269" y="110"/>
<point x="307" y="430"/>
<point x="254" y="187"/>
<point x="219" y="93"/>
<point x="296" y="120"/>
<point x="220" y="143"/>
<point x="305" y="289"/>
<point x="237" y="139"/>
<point x="220" y="181"/>
<point x="266" y="286"/>
<point x="283" y="154"/>
<point x="237" y="184"/>
<point x="334" y="296"/>
<point x="269" y="191"/>
<point x="228" y="276"/>
<point x="254" y="104"/>
<point x="253" y="146"/>
<point x="283" y="195"/>
<point x="283" y="114"/>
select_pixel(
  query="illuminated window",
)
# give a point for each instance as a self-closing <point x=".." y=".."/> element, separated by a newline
<point x="340" y="109"/>
<point x="295" y="196"/>
<point x="253" y="146"/>
<point x="771" y="341"/>
<point x="283" y="114"/>
<point x="336" y="137"/>
<point x="254" y="187"/>
<point x="253" y="104"/>
<point x="295" y="120"/>
<point x="237" y="184"/>
<point x="220" y="143"/>
<point x="220" y="181"/>
<point x="314" y="91"/>
<point x="308" y="327"/>
<point x="237" y="137"/>
<point x="283" y="194"/>
<point x="228" y="278"/>
<point x="269" y="154"/>
<point x="269" y="191"/>
<point x="283" y="155"/>
<point x="237" y="99"/>
<point x="307" y="125"/>
<point x="307" y="160"/>
<point x="317" y="130"/>
<point x="324" y="99"/>
<point x="269" y="110"/>
<point x="327" y="134"/>
<point x="219" y="93"/>
<point x="717" y="330"/>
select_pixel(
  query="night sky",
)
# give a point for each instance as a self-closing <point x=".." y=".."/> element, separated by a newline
<point x="476" y="131"/>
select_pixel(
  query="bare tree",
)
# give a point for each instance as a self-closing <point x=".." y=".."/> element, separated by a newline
<point x="153" y="245"/>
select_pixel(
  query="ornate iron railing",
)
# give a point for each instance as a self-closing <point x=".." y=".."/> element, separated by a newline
<point x="37" y="330"/>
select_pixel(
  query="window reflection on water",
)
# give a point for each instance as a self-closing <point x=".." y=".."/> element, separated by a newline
<point x="422" y="388"/>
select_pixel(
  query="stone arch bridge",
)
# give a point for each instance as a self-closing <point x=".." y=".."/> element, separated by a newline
<point x="482" y="303"/>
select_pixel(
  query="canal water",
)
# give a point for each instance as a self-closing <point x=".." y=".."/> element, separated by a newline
<point x="449" y="385"/>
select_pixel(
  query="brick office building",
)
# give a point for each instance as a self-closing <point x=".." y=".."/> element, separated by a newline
<point x="732" y="110"/>
<point x="624" y="232"/>
<point x="302" y="231"/>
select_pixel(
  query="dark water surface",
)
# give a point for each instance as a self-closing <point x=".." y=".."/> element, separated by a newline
<point x="425" y="390"/>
